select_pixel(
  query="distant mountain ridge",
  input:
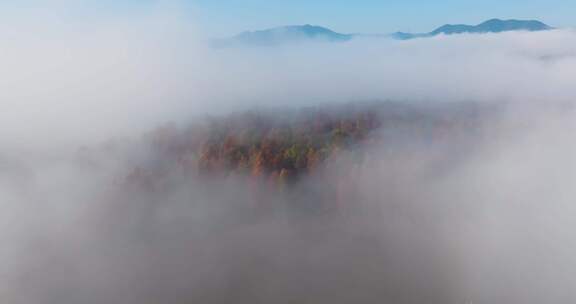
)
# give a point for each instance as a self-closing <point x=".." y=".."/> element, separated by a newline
<point x="490" y="26"/>
<point x="284" y="35"/>
<point x="306" y="33"/>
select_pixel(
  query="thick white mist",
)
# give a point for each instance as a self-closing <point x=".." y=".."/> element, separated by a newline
<point x="67" y="81"/>
<point x="491" y="225"/>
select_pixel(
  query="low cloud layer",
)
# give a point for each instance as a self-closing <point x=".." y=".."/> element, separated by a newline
<point x="84" y="80"/>
<point x="480" y="218"/>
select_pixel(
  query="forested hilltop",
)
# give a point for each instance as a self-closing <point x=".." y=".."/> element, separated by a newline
<point x="282" y="146"/>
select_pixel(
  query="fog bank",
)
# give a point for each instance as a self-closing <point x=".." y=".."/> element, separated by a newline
<point x="481" y="215"/>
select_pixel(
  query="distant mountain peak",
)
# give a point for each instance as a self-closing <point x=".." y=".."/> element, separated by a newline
<point x="494" y="21"/>
<point x="489" y="26"/>
<point x="493" y="26"/>
<point x="284" y="35"/>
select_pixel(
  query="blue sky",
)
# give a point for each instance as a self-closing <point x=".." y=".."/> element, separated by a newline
<point x="227" y="17"/>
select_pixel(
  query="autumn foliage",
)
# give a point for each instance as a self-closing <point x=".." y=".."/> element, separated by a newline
<point x="277" y="148"/>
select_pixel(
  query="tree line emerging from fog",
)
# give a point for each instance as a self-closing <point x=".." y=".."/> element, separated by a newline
<point x="278" y="147"/>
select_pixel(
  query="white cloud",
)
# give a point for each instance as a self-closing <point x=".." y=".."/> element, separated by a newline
<point x="65" y="84"/>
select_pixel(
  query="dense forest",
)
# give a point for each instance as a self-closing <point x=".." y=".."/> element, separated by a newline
<point x="276" y="148"/>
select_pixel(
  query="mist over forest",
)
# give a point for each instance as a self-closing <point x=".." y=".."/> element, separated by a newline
<point x="140" y="165"/>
